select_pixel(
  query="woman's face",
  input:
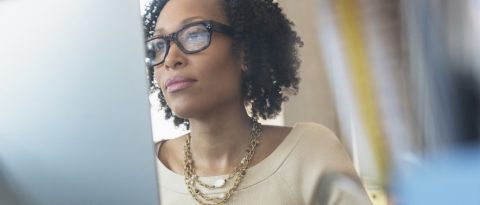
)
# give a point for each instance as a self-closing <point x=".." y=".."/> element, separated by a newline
<point x="208" y="79"/>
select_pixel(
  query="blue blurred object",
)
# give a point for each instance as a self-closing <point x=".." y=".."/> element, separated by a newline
<point x="449" y="178"/>
<point x="443" y="53"/>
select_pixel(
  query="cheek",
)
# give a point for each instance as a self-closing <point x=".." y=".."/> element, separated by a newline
<point x="157" y="76"/>
<point x="224" y="78"/>
<point x="222" y="67"/>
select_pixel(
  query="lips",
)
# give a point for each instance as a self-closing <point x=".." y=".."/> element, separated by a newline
<point x="178" y="83"/>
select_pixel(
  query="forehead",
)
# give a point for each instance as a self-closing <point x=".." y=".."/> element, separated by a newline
<point x="179" y="12"/>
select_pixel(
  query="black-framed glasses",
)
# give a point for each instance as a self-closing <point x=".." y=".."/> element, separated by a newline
<point x="191" y="38"/>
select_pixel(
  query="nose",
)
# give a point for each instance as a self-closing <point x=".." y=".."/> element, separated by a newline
<point x="175" y="57"/>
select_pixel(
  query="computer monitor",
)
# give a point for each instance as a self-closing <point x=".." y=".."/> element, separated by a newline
<point x="74" y="112"/>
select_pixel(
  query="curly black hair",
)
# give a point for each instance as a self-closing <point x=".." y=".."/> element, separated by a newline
<point x="270" y="52"/>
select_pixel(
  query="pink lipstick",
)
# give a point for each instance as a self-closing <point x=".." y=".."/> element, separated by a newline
<point x="178" y="83"/>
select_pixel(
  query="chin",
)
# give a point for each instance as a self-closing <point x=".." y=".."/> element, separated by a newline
<point x="192" y="110"/>
<point x="184" y="110"/>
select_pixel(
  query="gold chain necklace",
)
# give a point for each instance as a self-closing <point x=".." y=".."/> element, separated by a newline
<point x="191" y="179"/>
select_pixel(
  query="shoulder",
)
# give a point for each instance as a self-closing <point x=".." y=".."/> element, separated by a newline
<point x="166" y="145"/>
<point x="322" y="166"/>
<point x="319" y="143"/>
<point x="315" y="133"/>
<point x="315" y="128"/>
<point x="170" y="153"/>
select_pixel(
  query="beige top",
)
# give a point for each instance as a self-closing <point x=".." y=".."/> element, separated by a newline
<point x="310" y="166"/>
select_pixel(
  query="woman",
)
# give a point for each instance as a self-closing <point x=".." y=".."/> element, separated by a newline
<point x="211" y="59"/>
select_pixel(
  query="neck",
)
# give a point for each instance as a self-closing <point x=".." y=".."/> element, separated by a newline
<point x="218" y="141"/>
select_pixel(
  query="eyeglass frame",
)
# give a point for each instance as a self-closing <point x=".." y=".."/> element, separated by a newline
<point x="210" y="25"/>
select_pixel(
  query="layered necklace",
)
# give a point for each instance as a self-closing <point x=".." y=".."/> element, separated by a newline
<point x="193" y="182"/>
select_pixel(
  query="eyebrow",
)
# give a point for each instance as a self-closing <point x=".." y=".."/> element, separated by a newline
<point x="161" y="31"/>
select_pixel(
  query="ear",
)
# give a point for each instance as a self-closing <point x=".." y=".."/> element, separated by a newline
<point x="244" y="68"/>
<point x="241" y="59"/>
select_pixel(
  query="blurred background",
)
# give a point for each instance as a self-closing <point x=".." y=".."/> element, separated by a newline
<point x="398" y="82"/>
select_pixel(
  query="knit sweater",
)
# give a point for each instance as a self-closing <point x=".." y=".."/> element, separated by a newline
<point x="310" y="166"/>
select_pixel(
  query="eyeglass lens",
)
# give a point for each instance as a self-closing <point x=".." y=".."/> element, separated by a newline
<point x="190" y="40"/>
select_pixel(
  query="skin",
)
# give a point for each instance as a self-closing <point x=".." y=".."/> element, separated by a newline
<point x="219" y="124"/>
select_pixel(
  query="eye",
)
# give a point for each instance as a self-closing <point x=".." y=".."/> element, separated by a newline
<point x="194" y="34"/>
<point x="156" y="44"/>
<point x="156" y="51"/>
<point x="197" y="36"/>
<point x="160" y="46"/>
